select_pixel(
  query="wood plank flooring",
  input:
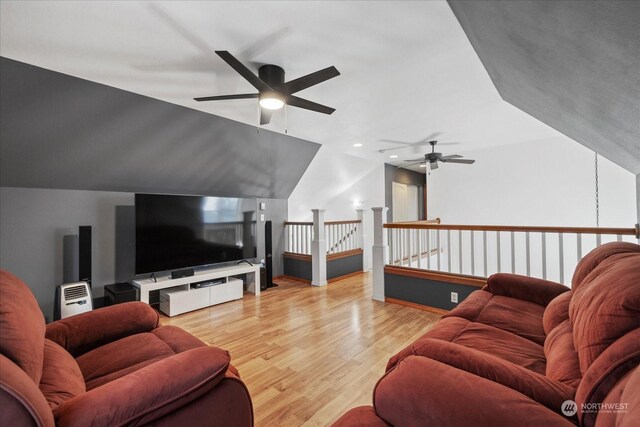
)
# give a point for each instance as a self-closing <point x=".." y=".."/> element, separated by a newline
<point x="308" y="354"/>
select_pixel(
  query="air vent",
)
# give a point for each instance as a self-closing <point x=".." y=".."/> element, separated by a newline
<point x="75" y="292"/>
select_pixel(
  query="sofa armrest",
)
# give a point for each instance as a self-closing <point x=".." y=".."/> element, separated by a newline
<point x="145" y="394"/>
<point x="83" y="332"/>
<point x="536" y="386"/>
<point x="420" y="391"/>
<point x="537" y="291"/>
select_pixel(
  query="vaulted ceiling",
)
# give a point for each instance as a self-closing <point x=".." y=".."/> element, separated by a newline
<point x="574" y="65"/>
<point x="407" y="68"/>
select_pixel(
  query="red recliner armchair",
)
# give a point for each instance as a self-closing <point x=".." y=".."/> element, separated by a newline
<point x="110" y="367"/>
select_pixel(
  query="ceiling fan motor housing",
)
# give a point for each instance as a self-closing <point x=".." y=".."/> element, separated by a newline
<point x="271" y="74"/>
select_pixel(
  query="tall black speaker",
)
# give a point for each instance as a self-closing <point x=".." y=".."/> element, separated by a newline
<point x="84" y="254"/>
<point x="268" y="254"/>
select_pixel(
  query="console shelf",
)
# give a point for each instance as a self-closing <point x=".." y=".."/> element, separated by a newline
<point x="178" y="296"/>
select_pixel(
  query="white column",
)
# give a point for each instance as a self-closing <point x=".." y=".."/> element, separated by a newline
<point x="318" y="250"/>
<point x="380" y="252"/>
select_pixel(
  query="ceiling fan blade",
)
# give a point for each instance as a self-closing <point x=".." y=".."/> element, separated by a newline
<point x="309" y="80"/>
<point x="294" y="101"/>
<point x="448" y="143"/>
<point x="223" y="97"/>
<point x="265" y="116"/>
<point x="243" y="70"/>
<point x="452" y="156"/>
<point x="434" y="165"/>
<point x="464" y="161"/>
<point x="415" y="160"/>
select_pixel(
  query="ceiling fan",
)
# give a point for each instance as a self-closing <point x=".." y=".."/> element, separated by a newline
<point x="433" y="158"/>
<point x="273" y="91"/>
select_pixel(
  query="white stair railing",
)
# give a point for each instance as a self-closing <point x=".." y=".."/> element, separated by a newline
<point x="481" y="250"/>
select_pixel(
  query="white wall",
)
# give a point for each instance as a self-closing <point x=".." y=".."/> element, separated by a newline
<point x="335" y="181"/>
<point x="329" y="175"/>
<point x="549" y="182"/>
<point x="369" y="190"/>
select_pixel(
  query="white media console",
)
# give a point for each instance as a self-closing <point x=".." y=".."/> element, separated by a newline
<point x="179" y="296"/>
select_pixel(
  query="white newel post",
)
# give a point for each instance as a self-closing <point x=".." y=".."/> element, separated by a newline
<point x="380" y="252"/>
<point x="318" y="250"/>
<point x="360" y="240"/>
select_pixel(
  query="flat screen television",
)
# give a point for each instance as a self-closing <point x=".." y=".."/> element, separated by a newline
<point x="174" y="232"/>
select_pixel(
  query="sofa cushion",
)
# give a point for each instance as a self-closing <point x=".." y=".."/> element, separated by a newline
<point x="606" y="306"/>
<point x="556" y="312"/>
<point x="517" y="316"/>
<point x="119" y="358"/>
<point x="562" y="359"/>
<point x="630" y="396"/>
<point x="481" y="337"/>
<point x="61" y="376"/>
<point x="177" y="339"/>
<point x="596" y="256"/>
<point x="503" y="344"/>
<point x="21" y="326"/>
<point x="472" y="306"/>
<point x="514" y="315"/>
<point x="615" y="362"/>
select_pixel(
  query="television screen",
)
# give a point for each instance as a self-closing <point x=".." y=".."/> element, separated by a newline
<point x="175" y="232"/>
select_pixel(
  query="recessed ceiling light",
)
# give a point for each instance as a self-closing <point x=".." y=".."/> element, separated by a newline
<point x="393" y="156"/>
<point x="423" y="165"/>
<point x="357" y="145"/>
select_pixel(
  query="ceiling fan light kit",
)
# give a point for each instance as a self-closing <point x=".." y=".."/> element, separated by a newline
<point x="273" y="92"/>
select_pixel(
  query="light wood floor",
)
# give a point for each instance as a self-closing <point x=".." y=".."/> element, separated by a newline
<point x="308" y="354"/>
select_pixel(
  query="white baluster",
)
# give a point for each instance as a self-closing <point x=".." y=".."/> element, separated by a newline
<point x="498" y="251"/>
<point x="561" y="256"/>
<point x="544" y="255"/>
<point x="579" y="246"/>
<point x="438" y="247"/>
<point x="513" y="253"/>
<point x="460" y="251"/>
<point x="484" y="252"/>
<point x="473" y="253"/>
<point x="528" y="253"/>
<point x="449" y="250"/>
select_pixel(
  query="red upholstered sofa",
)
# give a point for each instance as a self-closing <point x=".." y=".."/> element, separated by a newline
<point x="515" y="351"/>
<point x="110" y="367"/>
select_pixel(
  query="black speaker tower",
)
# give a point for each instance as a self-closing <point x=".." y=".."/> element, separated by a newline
<point x="84" y="254"/>
<point x="268" y="253"/>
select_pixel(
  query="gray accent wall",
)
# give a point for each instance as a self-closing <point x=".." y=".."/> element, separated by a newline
<point x="404" y="176"/>
<point x="573" y="65"/>
<point x="74" y="152"/>
<point x="427" y="292"/>
<point x="33" y="223"/>
<point x="60" y="131"/>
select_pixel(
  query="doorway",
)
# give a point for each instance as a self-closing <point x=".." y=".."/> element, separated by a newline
<point x="405" y="202"/>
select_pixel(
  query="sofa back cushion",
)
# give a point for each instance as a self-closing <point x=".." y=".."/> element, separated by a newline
<point x="61" y="376"/>
<point x="590" y="261"/>
<point x="606" y="305"/>
<point x="556" y="312"/>
<point x="562" y="359"/>
<point x="21" y="326"/>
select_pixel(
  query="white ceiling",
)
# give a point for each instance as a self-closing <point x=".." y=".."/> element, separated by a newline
<point x="407" y="68"/>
